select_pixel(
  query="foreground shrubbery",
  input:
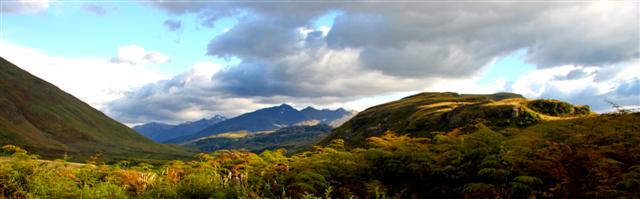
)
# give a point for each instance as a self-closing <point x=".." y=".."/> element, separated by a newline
<point x="596" y="157"/>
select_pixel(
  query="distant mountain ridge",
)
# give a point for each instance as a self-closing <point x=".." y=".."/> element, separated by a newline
<point x="161" y="132"/>
<point x="268" y="119"/>
<point x="40" y="117"/>
<point x="292" y="138"/>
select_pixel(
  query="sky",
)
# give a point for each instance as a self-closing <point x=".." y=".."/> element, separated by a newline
<point x="169" y="61"/>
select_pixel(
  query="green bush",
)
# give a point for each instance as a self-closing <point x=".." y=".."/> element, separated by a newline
<point x="557" y="108"/>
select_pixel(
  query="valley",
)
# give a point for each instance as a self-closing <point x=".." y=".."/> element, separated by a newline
<point x="428" y="145"/>
<point x="308" y="99"/>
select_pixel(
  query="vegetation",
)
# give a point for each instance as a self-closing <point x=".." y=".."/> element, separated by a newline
<point x="557" y="108"/>
<point x="588" y="157"/>
<point x="420" y="115"/>
<point x="292" y="138"/>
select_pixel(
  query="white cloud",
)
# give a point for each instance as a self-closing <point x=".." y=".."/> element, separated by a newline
<point x="468" y="85"/>
<point x="24" y="6"/>
<point x="134" y="54"/>
<point x="621" y="87"/>
<point x="93" y="80"/>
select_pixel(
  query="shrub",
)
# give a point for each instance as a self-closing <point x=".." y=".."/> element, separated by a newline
<point x="557" y="108"/>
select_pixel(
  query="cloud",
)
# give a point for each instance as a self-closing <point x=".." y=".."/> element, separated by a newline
<point x="209" y="88"/>
<point x="320" y="72"/>
<point x="577" y="73"/>
<point x="187" y="96"/>
<point x="622" y="88"/>
<point x="173" y="25"/>
<point x="135" y="55"/>
<point x="629" y="88"/>
<point x="607" y="73"/>
<point x="257" y="37"/>
<point x="98" y="10"/>
<point x="24" y="6"/>
<point x="380" y="48"/>
<point x="100" y="83"/>
<point x="595" y="34"/>
<point x="421" y="40"/>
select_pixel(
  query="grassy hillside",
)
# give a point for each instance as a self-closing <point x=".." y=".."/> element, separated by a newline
<point x="425" y="113"/>
<point x="40" y="117"/>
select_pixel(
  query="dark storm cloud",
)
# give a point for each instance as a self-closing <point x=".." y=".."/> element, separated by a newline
<point x="256" y="38"/>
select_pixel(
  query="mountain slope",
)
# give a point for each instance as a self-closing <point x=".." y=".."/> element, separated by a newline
<point x="268" y="119"/>
<point x="426" y="113"/>
<point x="160" y="132"/>
<point x="40" y="117"/>
<point x="153" y="130"/>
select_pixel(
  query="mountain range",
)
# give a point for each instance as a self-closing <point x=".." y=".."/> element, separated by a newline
<point x="42" y="118"/>
<point x="269" y="119"/>
<point x="161" y="132"/>
<point x="291" y="138"/>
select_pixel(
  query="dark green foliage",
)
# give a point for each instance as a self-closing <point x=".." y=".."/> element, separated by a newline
<point x="557" y="108"/>
<point x="527" y="118"/>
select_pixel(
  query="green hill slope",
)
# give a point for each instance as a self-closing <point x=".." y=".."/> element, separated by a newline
<point x="425" y="113"/>
<point x="40" y="117"/>
<point x="292" y="138"/>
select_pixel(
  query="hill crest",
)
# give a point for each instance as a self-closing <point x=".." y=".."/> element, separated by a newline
<point x="424" y="113"/>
